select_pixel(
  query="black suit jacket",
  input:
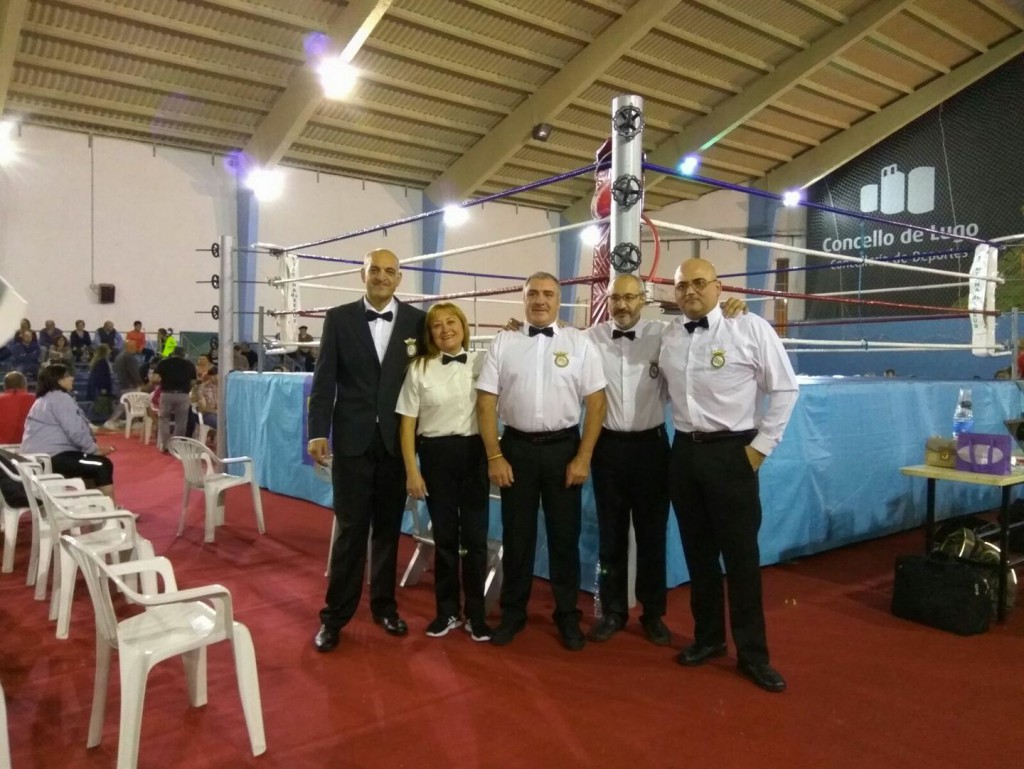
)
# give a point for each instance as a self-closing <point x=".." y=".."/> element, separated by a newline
<point x="353" y="393"/>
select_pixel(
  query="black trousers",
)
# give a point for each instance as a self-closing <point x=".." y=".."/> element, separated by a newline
<point x="539" y="479"/>
<point x="630" y="472"/>
<point x="90" y="467"/>
<point x="369" y="490"/>
<point x="454" y="469"/>
<point x="714" y="492"/>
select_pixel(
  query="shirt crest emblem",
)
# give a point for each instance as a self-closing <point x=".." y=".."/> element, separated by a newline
<point x="410" y="347"/>
<point x="717" y="358"/>
<point x="561" y="359"/>
<point x="654" y="371"/>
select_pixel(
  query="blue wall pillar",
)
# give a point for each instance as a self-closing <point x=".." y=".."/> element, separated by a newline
<point x="433" y="241"/>
<point x="568" y="251"/>
<point x="761" y="213"/>
<point x="245" y="271"/>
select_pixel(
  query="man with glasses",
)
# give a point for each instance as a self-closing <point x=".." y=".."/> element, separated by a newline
<point x="364" y="350"/>
<point x="732" y="390"/>
<point x="630" y="464"/>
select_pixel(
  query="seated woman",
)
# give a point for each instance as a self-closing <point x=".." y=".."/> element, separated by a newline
<point x="56" y="426"/>
<point x="204" y="396"/>
<point x="81" y="342"/>
<point x="59" y="352"/>
<point x="100" y="389"/>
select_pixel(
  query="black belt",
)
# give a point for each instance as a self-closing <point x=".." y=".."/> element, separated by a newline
<point x="723" y="435"/>
<point x="174" y="392"/>
<point x="633" y="435"/>
<point x="539" y="438"/>
<point x="452" y="437"/>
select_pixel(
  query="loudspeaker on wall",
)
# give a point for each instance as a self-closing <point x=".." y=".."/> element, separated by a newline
<point x="106" y="291"/>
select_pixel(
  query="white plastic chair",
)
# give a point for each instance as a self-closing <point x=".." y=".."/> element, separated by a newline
<point x="199" y="463"/>
<point x="11" y="520"/>
<point x="323" y="472"/>
<point x="5" y="745"/>
<point x="110" y="532"/>
<point x="136" y="406"/>
<point x="423" y="535"/>
<point x="174" y="623"/>
<point x="202" y="429"/>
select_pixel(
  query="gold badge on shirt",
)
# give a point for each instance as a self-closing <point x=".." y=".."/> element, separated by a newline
<point x="410" y="347"/>
<point x="717" y="358"/>
<point x="561" y="359"/>
<point x="654" y="370"/>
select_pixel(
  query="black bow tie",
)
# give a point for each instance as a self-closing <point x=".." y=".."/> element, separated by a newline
<point x="371" y="316"/>
<point x="460" y="358"/>
<point x="548" y="331"/>
<point x="630" y="335"/>
<point x="691" y="325"/>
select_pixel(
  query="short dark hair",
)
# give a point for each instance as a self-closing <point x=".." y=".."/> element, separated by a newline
<point x="49" y="378"/>
<point x="14" y="380"/>
<point x="137" y="323"/>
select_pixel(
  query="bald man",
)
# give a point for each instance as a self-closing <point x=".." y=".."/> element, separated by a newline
<point x="364" y="351"/>
<point x="732" y="390"/>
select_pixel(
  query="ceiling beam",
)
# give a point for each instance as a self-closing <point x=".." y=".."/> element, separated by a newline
<point x="348" y="30"/>
<point x="1000" y="9"/>
<point x="706" y="131"/>
<point x="822" y="160"/>
<point x="501" y="143"/>
<point x="12" y="16"/>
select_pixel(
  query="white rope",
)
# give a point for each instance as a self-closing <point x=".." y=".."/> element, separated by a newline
<point x="708" y="234"/>
<point x="991" y="354"/>
<point x="865" y="344"/>
<point x="859" y="292"/>
<point x="451" y="252"/>
<point x="1007" y="238"/>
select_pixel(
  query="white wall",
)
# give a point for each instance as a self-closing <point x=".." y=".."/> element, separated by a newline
<point x="118" y="212"/>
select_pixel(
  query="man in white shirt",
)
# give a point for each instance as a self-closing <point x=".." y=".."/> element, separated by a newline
<point x="535" y="380"/>
<point x="732" y="390"/>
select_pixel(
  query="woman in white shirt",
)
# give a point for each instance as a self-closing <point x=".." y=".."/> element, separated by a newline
<point x="438" y="419"/>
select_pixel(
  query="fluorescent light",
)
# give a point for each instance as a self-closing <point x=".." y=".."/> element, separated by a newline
<point x="266" y="184"/>
<point x="689" y="165"/>
<point x="455" y="215"/>
<point x="791" y="198"/>
<point x="590" y="236"/>
<point x="337" y="77"/>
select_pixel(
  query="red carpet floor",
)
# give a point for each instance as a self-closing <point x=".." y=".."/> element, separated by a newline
<point x="865" y="689"/>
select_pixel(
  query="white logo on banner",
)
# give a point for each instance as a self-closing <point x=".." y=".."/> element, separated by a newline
<point x="898" y="192"/>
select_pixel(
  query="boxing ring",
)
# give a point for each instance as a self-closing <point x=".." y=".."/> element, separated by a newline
<point x="832" y="481"/>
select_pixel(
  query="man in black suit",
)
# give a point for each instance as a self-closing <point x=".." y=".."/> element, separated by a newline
<point x="364" y="351"/>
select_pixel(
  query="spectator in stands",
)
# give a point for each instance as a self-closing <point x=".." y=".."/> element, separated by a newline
<point x="15" y="402"/>
<point x="138" y="336"/>
<point x="48" y="335"/>
<point x="250" y="355"/>
<point x="60" y="352"/>
<point x="203" y="367"/>
<point x="109" y="336"/>
<point x="81" y="342"/>
<point x="25" y="354"/>
<point x="177" y="374"/>
<point x="56" y="426"/>
<point x="306" y="356"/>
<point x="100" y="389"/>
<point x="170" y="343"/>
<point x="214" y="350"/>
<point x="238" y="361"/>
<point x="127" y="378"/>
<point x="25" y="325"/>
<point x="204" y="396"/>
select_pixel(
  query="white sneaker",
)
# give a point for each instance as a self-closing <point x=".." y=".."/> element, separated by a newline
<point x="440" y="626"/>
<point x="479" y="631"/>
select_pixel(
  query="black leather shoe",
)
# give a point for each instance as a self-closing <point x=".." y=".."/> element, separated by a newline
<point x="393" y="625"/>
<point x="327" y="638"/>
<point x="764" y="675"/>
<point x="656" y="632"/>
<point x="572" y="636"/>
<point x="506" y="631"/>
<point x="606" y="627"/>
<point x="695" y="655"/>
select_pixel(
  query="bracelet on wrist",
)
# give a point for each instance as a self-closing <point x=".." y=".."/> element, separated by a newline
<point x="496" y="456"/>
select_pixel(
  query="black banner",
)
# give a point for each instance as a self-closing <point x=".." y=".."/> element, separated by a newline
<point x="958" y="169"/>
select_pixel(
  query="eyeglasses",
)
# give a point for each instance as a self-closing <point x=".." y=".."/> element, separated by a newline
<point x="697" y="284"/>
<point x="627" y="298"/>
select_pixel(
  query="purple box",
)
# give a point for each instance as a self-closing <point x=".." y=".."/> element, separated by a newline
<point x="983" y="453"/>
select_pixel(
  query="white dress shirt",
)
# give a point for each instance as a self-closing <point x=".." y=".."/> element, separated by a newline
<point x="636" y="393"/>
<point x="380" y="329"/>
<point x="541" y="381"/>
<point x="719" y="378"/>
<point x="442" y="397"/>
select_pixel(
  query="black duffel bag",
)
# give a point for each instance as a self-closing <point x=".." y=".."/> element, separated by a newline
<point x="942" y="592"/>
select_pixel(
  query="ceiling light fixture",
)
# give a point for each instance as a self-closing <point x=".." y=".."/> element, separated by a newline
<point x="791" y="198"/>
<point x="337" y="77"/>
<point x="455" y="215"/>
<point x="266" y="184"/>
<point x="689" y="165"/>
<point x="541" y="132"/>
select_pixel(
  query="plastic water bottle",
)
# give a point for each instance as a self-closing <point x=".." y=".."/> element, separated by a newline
<point x="598" y="611"/>
<point x="963" y="417"/>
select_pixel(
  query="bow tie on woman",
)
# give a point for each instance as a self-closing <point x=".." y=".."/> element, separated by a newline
<point x="460" y="358"/>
